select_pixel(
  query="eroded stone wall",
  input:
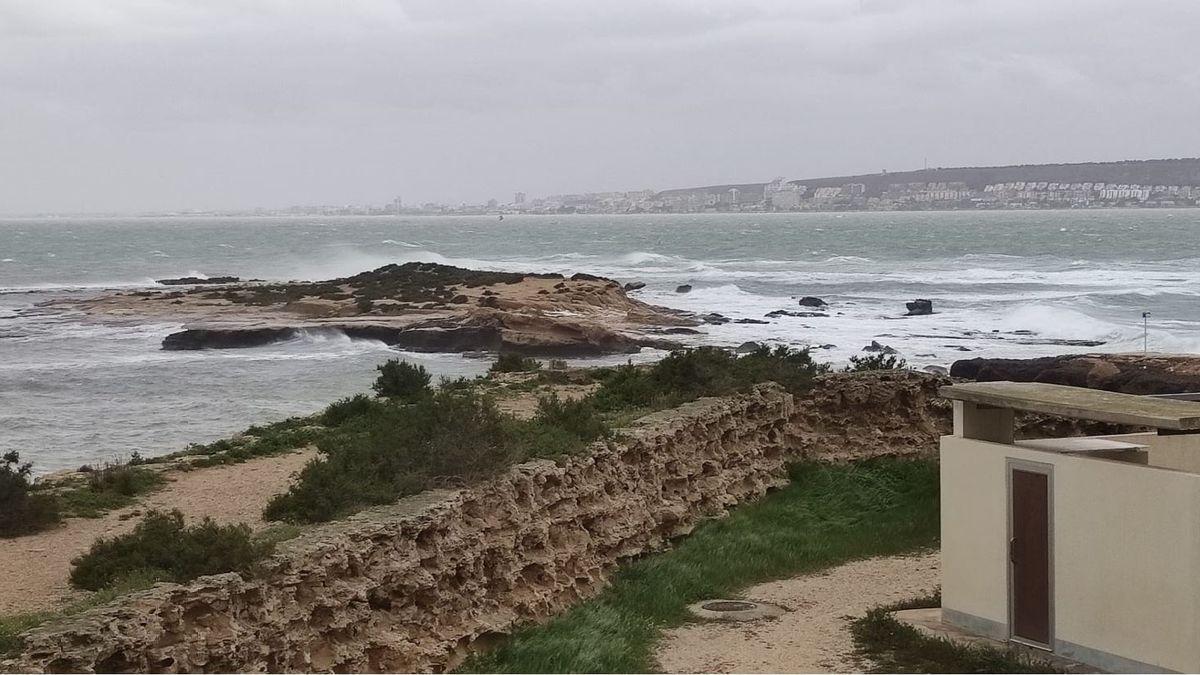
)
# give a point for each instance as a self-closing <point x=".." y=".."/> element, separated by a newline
<point x="411" y="586"/>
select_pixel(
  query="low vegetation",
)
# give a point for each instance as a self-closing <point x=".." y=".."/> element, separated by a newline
<point x="894" y="647"/>
<point x="22" y="510"/>
<point x="107" y="487"/>
<point x="869" y="362"/>
<point x="828" y="515"/>
<point x="510" y="362"/>
<point x="686" y="375"/>
<point x="163" y="547"/>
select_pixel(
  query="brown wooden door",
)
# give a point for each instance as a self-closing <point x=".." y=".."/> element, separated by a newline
<point x="1029" y="554"/>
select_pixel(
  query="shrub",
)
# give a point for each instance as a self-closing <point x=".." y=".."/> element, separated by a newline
<point x="686" y="375"/>
<point x="557" y="364"/>
<point x="396" y="451"/>
<point x="162" y="544"/>
<point x="860" y="364"/>
<point x="22" y="511"/>
<point x="509" y="362"/>
<point x="401" y="380"/>
<point x="341" y="411"/>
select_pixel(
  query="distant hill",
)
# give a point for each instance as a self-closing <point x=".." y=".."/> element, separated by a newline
<point x="1184" y="171"/>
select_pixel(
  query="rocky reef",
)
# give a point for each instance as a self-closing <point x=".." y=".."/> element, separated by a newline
<point x="1126" y="373"/>
<point x="413" y="586"/>
<point x="416" y="306"/>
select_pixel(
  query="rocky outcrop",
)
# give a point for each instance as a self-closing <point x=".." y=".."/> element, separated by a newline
<point x="198" y="281"/>
<point x="1126" y="373"/>
<point x="878" y="348"/>
<point x="810" y="301"/>
<point x="919" y="307"/>
<point x="683" y="288"/>
<point x="412" y="586"/>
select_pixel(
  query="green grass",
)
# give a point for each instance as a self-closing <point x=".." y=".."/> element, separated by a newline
<point x="894" y="647"/>
<point x="828" y="515"/>
<point x="112" y="486"/>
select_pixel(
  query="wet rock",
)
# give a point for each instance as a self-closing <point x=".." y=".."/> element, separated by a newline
<point x="747" y="347"/>
<point x="784" y="312"/>
<point x="635" y="285"/>
<point x="198" y="281"/>
<point x="683" y="288"/>
<point x="936" y="370"/>
<point x="877" y="348"/>
<point x="714" y="318"/>
<point x="810" y="301"/>
<point x="758" y="321"/>
<point x="919" y="307"/>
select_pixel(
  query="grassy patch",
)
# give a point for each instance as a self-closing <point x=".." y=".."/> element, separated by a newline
<point x="109" y="487"/>
<point x="828" y="515"/>
<point x="894" y="647"/>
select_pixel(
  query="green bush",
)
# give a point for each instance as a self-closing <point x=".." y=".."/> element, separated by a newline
<point x="162" y="545"/>
<point x="401" y="380"/>
<point x="689" y="374"/>
<point x="22" y="511"/>
<point x="509" y="362"/>
<point x="860" y="364"/>
<point x="341" y="411"/>
<point x="453" y="436"/>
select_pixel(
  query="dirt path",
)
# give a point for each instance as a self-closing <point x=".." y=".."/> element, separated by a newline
<point x="34" y="568"/>
<point x="812" y="637"/>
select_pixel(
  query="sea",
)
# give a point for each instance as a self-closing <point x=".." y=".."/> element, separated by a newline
<point x="1003" y="284"/>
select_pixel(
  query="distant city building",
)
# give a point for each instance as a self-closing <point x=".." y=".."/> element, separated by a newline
<point x="519" y="198"/>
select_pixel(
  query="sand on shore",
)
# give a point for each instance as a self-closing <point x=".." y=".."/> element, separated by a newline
<point x="813" y="636"/>
<point x="34" y="569"/>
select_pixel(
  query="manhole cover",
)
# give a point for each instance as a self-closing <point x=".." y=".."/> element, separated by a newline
<point x="728" y="606"/>
<point x="735" y="610"/>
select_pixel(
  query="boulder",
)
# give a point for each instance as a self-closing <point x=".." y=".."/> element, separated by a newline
<point x="810" y="301"/>
<point x="784" y="312"/>
<point x="683" y="288"/>
<point x="919" y="307"/>
<point x="877" y="348"/>
<point x="714" y="318"/>
<point x="747" y="347"/>
<point x="635" y="285"/>
<point x="751" y="321"/>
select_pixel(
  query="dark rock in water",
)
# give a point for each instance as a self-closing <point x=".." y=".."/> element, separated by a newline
<point x="784" y="312"/>
<point x="878" y="348"/>
<point x="684" y="288"/>
<point x="1126" y="373"/>
<point x="751" y="321"/>
<point x="826" y="346"/>
<point x="635" y="285"/>
<point x="714" y="318"/>
<point x="936" y="370"/>
<point x="677" y="330"/>
<point x="189" y="281"/>
<point x="226" y="338"/>
<point x="580" y="276"/>
<point x="927" y="356"/>
<point x="959" y="348"/>
<point x="919" y="307"/>
<point x="747" y="347"/>
<point x="810" y="301"/>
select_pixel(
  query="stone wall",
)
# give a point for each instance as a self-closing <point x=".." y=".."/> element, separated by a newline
<point x="412" y="586"/>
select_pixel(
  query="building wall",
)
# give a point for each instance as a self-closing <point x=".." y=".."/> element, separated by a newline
<point x="1126" y="551"/>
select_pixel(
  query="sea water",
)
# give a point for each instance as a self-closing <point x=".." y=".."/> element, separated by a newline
<point x="1011" y="284"/>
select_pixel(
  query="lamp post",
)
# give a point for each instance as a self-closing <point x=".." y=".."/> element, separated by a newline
<point x="1145" y="332"/>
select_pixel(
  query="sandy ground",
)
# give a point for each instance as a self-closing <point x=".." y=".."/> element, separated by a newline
<point x="813" y="636"/>
<point x="34" y="568"/>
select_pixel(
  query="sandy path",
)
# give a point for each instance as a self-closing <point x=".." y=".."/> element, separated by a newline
<point x="34" y="568"/>
<point x="812" y="637"/>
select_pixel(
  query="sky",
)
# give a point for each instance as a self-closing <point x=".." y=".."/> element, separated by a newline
<point x="137" y="105"/>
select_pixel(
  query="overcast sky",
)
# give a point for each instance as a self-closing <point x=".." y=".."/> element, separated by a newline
<point x="125" y="105"/>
